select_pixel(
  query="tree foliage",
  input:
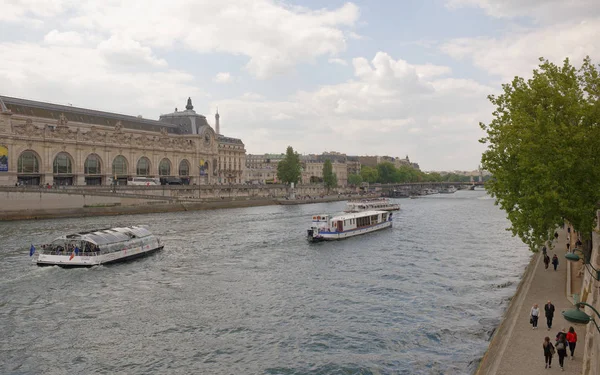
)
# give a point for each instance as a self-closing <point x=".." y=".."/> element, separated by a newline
<point x="544" y="150"/>
<point x="289" y="169"/>
<point x="329" y="178"/>
<point x="354" y="179"/>
<point x="369" y="174"/>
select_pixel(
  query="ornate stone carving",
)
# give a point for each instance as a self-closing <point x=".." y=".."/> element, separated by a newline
<point x="28" y="128"/>
<point x="163" y="132"/>
<point x="118" y="127"/>
<point x="93" y="135"/>
<point x="62" y="121"/>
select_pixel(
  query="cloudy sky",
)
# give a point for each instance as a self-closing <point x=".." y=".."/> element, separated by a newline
<point x="403" y="77"/>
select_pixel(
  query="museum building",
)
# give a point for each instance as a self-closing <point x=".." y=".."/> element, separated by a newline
<point x="44" y="143"/>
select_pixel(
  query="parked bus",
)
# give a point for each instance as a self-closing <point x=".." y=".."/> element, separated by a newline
<point x="143" y="181"/>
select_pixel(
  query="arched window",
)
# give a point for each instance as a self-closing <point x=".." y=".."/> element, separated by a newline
<point x="143" y="166"/>
<point x="119" y="166"/>
<point x="184" y="168"/>
<point x="28" y="163"/>
<point x="92" y="164"/>
<point x="62" y="164"/>
<point x="164" y="168"/>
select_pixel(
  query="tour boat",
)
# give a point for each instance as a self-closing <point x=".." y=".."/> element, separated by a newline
<point x="97" y="247"/>
<point x="326" y="228"/>
<point x="370" y="204"/>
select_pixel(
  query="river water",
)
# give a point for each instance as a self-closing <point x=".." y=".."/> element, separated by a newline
<point x="241" y="291"/>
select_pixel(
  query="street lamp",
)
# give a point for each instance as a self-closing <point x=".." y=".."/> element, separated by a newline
<point x="575" y="258"/>
<point x="577" y="316"/>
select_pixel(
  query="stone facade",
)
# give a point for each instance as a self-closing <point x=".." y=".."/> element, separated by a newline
<point x="312" y="171"/>
<point x="54" y="144"/>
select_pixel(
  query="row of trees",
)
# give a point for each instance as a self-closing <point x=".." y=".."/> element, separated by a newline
<point x="386" y="173"/>
<point x="290" y="170"/>
<point x="543" y="149"/>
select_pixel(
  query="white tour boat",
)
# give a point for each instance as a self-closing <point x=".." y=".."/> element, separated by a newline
<point x="371" y="204"/>
<point x="96" y="247"/>
<point x="325" y="228"/>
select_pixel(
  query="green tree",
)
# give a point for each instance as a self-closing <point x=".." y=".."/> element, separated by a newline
<point x="289" y="169"/>
<point x="354" y="179"/>
<point x="369" y="174"/>
<point x="386" y="171"/>
<point x="329" y="178"/>
<point x="544" y="150"/>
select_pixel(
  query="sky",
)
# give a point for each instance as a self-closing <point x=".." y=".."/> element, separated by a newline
<point x="368" y="77"/>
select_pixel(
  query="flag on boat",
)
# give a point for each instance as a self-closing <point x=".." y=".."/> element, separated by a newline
<point x="72" y="255"/>
<point x="31" y="250"/>
<point x="76" y="250"/>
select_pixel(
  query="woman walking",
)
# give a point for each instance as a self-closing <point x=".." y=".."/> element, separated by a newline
<point x="535" y="314"/>
<point x="561" y="349"/>
<point x="546" y="261"/>
<point x="555" y="261"/>
<point x="572" y="340"/>
<point x="548" y="351"/>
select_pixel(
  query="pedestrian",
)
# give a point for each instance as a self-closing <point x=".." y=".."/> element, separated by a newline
<point x="568" y="247"/>
<point x="548" y="351"/>
<point x="535" y="314"/>
<point x="555" y="262"/>
<point x="561" y="349"/>
<point x="546" y="261"/>
<point x="544" y="250"/>
<point x="572" y="340"/>
<point x="549" y="311"/>
<point x="556" y="235"/>
<point x="569" y="230"/>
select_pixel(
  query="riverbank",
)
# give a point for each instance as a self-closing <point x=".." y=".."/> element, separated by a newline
<point x="47" y="206"/>
<point x="517" y="349"/>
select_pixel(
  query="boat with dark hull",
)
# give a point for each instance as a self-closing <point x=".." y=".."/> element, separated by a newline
<point x="102" y="246"/>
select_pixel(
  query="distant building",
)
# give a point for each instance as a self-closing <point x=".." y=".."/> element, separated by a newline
<point x="262" y="169"/>
<point x="312" y="168"/>
<point x="45" y="143"/>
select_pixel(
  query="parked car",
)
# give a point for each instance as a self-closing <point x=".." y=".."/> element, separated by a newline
<point x="171" y="181"/>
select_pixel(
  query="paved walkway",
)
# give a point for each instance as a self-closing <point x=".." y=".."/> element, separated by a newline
<point x="517" y="349"/>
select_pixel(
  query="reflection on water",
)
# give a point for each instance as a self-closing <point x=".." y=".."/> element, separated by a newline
<point x="242" y="291"/>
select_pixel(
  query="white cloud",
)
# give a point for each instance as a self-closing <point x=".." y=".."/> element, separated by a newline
<point x="124" y="51"/>
<point x="275" y="37"/>
<point x="414" y="110"/>
<point x="540" y="10"/>
<point x="81" y="76"/>
<point x="223" y="77"/>
<point x="338" y="61"/>
<point x="517" y="53"/>
<point x="69" y="38"/>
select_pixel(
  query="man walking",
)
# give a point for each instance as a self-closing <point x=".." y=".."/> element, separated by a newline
<point x="549" y="310"/>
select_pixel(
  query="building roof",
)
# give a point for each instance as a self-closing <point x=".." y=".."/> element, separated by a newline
<point x="89" y="116"/>
<point x="224" y="139"/>
<point x="2" y="106"/>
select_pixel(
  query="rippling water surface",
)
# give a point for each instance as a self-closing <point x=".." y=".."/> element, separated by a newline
<point x="241" y="291"/>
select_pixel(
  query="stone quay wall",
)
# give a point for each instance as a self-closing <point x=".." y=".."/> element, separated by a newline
<point x="39" y="203"/>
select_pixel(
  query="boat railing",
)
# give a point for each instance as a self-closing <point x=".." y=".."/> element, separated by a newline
<point x="58" y="252"/>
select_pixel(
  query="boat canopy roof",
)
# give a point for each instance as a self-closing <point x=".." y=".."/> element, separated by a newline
<point x="355" y="215"/>
<point x="109" y="235"/>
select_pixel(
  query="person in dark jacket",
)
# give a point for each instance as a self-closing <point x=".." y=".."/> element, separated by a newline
<point x="561" y="349"/>
<point x="555" y="262"/>
<point x="549" y="310"/>
<point x="548" y="351"/>
<point x="546" y="261"/>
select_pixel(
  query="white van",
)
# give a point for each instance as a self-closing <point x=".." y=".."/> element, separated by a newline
<point x="143" y="181"/>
